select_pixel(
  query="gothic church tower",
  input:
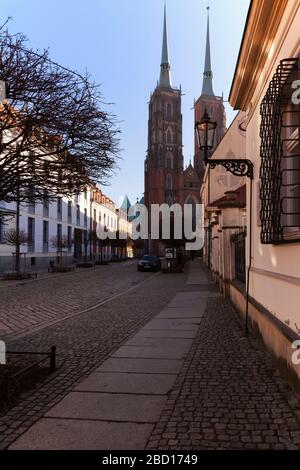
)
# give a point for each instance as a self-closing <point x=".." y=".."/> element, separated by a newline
<point x="214" y="105"/>
<point x="164" y="178"/>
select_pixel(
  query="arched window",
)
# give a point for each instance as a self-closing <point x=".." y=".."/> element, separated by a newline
<point x="169" y="111"/>
<point x="169" y="182"/>
<point x="169" y="136"/>
<point x="169" y="160"/>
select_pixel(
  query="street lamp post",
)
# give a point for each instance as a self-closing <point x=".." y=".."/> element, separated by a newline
<point x="205" y="132"/>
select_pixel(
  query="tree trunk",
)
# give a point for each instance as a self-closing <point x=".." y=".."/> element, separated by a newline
<point x="18" y="251"/>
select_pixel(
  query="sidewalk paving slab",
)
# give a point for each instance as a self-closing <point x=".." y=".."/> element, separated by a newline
<point x="55" y="434"/>
<point x="181" y="324"/>
<point x="158" y="352"/>
<point x="110" y="382"/>
<point x="109" y="407"/>
<point x="141" y="340"/>
<point x="142" y="365"/>
<point x="168" y="333"/>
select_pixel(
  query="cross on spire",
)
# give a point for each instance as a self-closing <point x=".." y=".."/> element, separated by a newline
<point x="207" y="87"/>
<point x="165" y="67"/>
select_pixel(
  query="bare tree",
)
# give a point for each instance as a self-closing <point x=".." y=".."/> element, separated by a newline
<point x="12" y="237"/>
<point x="55" y="135"/>
<point x="16" y="238"/>
<point x="61" y="243"/>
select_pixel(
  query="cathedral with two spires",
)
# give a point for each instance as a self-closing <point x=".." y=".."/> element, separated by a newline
<point x="166" y="179"/>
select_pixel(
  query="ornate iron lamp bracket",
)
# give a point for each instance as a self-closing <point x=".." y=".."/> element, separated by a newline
<point x="238" y="167"/>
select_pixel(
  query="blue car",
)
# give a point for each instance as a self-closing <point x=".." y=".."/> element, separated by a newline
<point x="149" y="263"/>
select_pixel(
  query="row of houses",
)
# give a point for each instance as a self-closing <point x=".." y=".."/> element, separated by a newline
<point x="65" y="227"/>
<point x="252" y="224"/>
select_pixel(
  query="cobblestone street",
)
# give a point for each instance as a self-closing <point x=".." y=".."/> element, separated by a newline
<point x="83" y="341"/>
<point x="217" y="389"/>
<point x="31" y="305"/>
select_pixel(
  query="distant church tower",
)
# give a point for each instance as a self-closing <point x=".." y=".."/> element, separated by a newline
<point x="164" y="177"/>
<point x="214" y="105"/>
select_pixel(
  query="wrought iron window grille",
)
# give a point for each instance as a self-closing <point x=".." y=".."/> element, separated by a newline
<point x="280" y="157"/>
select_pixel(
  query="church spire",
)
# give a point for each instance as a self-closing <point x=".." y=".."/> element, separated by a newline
<point x="165" y="67"/>
<point x="207" y="87"/>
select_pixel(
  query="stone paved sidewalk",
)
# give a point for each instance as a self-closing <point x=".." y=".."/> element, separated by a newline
<point x="229" y="394"/>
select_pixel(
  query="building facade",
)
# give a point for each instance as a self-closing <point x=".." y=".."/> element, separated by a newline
<point x="265" y="89"/>
<point x="224" y="199"/>
<point x="64" y="227"/>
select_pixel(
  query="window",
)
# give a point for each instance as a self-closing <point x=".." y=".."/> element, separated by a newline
<point x="31" y="234"/>
<point x="290" y="169"/>
<point x="59" y="235"/>
<point x="95" y="215"/>
<point x="169" y="111"/>
<point x="59" y="208"/>
<point x="78" y="214"/>
<point x="45" y="236"/>
<point x="2" y="239"/>
<point x="169" y="136"/>
<point x="46" y="204"/>
<point x="85" y="194"/>
<point x="85" y="237"/>
<point x="31" y="203"/>
<point x="169" y="182"/>
<point x="69" y="238"/>
<point x="69" y="212"/>
<point x="85" y="217"/>
<point x="280" y="156"/>
<point x="169" y="160"/>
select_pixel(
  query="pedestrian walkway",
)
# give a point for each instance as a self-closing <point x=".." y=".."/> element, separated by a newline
<point x="189" y="379"/>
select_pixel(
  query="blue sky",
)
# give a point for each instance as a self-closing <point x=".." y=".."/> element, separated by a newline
<point x="119" y="43"/>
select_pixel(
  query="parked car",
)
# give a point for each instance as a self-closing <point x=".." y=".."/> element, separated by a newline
<point x="149" y="263"/>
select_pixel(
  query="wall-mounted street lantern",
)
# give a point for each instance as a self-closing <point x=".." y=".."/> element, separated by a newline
<point x="205" y="132"/>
